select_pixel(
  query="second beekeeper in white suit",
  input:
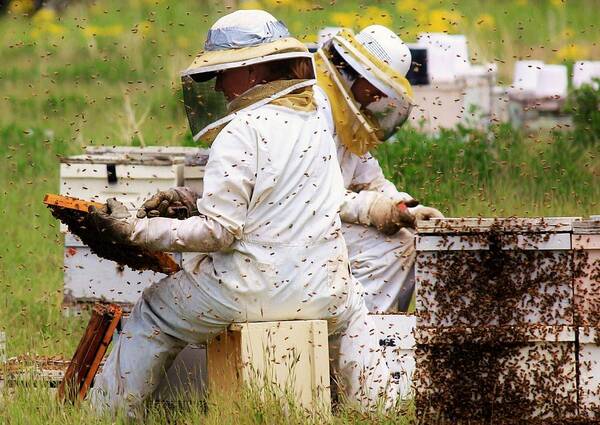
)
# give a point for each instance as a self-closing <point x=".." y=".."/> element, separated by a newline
<point x="363" y="90"/>
<point x="268" y="222"/>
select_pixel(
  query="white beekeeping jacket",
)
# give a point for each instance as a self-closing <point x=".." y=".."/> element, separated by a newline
<point x="362" y="175"/>
<point x="272" y="192"/>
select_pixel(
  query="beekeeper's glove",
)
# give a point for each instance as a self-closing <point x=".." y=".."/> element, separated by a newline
<point x="111" y="221"/>
<point x="177" y="202"/>
<point x="421" y="212"/>
<point x="389" y="216"/>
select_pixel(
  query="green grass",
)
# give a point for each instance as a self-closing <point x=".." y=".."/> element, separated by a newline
<point x="62" y="89"/>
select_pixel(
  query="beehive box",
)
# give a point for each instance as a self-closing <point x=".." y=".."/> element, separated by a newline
<point x="288" y="356"/>
<point x="487" y="272"/>
<point x="496" y="375"/>
<point x="586" y="247"/>
<point x="131" y="175"/>
<point x="396" y="337"/>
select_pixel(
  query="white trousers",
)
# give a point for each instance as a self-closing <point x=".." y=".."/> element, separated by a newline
<point x="180" y="310"/>
<point x="384" y="266"/>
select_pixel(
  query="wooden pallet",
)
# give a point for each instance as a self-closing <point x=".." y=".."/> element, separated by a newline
<point x="73" y="212"/>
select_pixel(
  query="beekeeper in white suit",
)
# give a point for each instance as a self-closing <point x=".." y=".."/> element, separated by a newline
<point x="268" y="221"/>
<point x="367" y="98"/>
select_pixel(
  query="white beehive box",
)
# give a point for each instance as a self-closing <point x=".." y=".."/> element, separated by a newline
<point x="131" y="175"/>
<point x="586" y="247"/>
<point x="487" y="272"/>
<point x="291" y="355"/>
<point x="396" y="336"/>
<point x="494" y="375"/>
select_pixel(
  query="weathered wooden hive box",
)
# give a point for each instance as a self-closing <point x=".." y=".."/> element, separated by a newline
<point x="586" y="248"/>
<point x="496" y="336"/>
<point x="131" y="175"/>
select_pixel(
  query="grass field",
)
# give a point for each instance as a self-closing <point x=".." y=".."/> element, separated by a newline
<point x="106" y="73"/>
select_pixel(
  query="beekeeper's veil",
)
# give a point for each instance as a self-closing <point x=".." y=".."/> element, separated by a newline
<point x="242" y="38"/>
<point x="379" y="56"/>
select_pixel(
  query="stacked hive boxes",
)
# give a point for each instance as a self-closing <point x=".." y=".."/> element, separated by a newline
<point x="496" y="331"/>
<point x="131" y="175"/>
<point x="586" y="264"/>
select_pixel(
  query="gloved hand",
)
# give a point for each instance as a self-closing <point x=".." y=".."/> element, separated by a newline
<point x="111" y="221"/>
<point x="177" y="202"/>
<point x="421" y="212"/>
<point x="389" y="216"/>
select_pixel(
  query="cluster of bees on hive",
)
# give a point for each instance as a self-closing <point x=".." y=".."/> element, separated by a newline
<point x="489" y="315"/>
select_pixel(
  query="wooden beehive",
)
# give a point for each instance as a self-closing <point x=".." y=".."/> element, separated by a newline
<point x="492" y="375"/>
<point x="287" y="357"/>
<point x="484" y="272"/>
<point x="496" y="334"/>
<point x="586" y="251"/>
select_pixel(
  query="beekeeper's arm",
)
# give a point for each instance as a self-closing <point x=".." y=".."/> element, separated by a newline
<point x="368" y="175"/>
<point x="228" y="183"/>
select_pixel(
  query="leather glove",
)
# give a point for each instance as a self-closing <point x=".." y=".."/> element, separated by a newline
<point x="177" y="202"/>
<point x="422" y="212"/>
<point x="389" y="216"/>
<point x="111" y="221"/>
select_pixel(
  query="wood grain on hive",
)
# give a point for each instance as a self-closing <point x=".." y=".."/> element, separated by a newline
<point x="292" y="356"/>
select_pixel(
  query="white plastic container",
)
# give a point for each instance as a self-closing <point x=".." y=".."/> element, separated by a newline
<point x="526" y="78"/>
<point x="448" y="57"/>
<point x="584" y="72"/>
<point x="552" y="82"/>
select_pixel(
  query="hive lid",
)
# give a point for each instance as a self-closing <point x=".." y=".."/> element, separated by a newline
<point x="131" y="155"/>
<point x="587" y="227"/>
<point x="469" y="225"/>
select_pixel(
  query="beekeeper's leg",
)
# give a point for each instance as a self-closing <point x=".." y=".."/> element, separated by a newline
<point x="384" y="266"/>
<point x="357" y="358"/>
<point x="169" y="315"/>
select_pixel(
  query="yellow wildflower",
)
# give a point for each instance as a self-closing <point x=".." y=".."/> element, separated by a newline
<point x="441" y="20"/>
<point x="522" y="2"/>
<point x="572" y="52"/>
<point x="343" y="19"/>
<point x="108" y="31"/>
<point x="373" y="15"/>
<point x="557" y="3"/>
<point x="43" y="16"/>
<point x="410" y="6"/>
<point x="486" y="21"/>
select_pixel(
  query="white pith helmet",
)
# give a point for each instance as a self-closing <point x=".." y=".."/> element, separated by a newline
<point x="387" y="46"/>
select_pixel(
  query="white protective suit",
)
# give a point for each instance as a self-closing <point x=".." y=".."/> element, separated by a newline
<point x="384" y="265"/>
<point x="269" y="222"/>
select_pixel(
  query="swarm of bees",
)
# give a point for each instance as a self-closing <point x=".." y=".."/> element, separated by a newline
<point x="500" y="306"/>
